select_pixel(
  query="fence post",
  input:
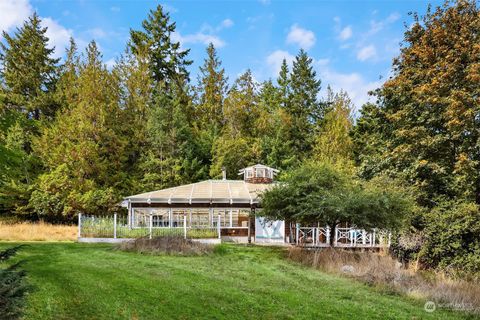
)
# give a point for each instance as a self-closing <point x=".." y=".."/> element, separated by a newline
<point x="79" y="224"/>
<point x="185" y="226"/>
<point x="150" y="226"/>
<point x="373" y="238"/>
<point x="389" y="239"/>
<point x="336" y="236"/>
<point x="115" y="225"/>
<point x="297" y="232"/>
<point x="218" y="227"/>
<point x="328" y="235"/>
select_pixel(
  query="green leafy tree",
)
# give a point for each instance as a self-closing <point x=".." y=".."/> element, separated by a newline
<point x="321" y="193"/>
<point x="430" y="105"/>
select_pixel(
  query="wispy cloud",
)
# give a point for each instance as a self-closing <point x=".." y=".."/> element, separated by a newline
<point x="345" y="33"/>
<point x="302" y="37"/>
<point x="366" y="53"/>
<point x="199" y="37"/>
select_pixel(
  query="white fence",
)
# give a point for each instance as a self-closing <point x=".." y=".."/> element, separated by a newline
<point x="342" y="237"/>
<point x="117" y="227"/>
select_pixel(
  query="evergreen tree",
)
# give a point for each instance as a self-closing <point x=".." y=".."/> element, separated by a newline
<point x="83" y="149"/>
<point x="333" y="142"/>
<point x="304" y="107"/>
<point x="167" y="61"/>
<point x="28" y="71"/>
<point x="212" y="87"/>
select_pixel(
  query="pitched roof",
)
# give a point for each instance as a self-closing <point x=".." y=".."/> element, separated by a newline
<point x="208" y="191"/>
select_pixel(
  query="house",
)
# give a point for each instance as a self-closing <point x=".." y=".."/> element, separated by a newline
<point x="230" y="204"/>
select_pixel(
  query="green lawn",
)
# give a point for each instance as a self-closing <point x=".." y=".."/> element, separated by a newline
<point x="85" y="281"/>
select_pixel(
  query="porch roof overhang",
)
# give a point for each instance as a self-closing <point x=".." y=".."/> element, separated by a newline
<point x="221" y="192"/>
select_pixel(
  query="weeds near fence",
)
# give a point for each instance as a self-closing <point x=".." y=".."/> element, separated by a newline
<point x="381" y="270"/>
<point x="36" y="231"/>
<point x="12" y="287"/>
<point x="171" y="245"/>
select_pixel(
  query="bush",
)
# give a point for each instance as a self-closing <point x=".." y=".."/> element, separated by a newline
<point x="452" y="239"/>
<point x="174" y="245"/>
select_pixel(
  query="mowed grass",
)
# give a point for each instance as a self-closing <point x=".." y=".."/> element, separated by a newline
<point x="96" y="281"/>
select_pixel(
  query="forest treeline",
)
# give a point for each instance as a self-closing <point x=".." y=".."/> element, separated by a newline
<point x="76" y="136"/>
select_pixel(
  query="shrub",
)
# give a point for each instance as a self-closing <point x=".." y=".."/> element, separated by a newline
<point x="174" y="245"/>
<point x="452" y="239"/>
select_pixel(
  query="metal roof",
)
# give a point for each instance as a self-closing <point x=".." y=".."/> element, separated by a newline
<point x="208" y="191"/>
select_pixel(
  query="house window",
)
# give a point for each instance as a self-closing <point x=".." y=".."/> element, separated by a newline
<point x="249" y="173"/>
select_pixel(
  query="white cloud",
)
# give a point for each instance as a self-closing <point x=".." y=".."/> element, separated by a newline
<point x="227" y="23"/>
<point x="59" y="36"/>
<point x="346" y="33"/>
<point x="199" y="37"/>
<point x="302" y="37"/>
<point x="13" y="13"/>
<point x="366" y="53"/>
<point x="275" y="59"/>
<point x="353" y="83"/>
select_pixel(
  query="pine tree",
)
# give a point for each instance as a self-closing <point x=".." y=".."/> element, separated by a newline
<point x="28" y="70"/>
<point x="284" y="85"/>
<point x="212" y="87"/>
<point x="304" y="107"/>
<point x="167" y="61"/>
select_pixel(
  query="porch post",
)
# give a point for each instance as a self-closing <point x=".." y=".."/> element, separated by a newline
<point x="218" y="227"/>
<point x="373" y="238"/>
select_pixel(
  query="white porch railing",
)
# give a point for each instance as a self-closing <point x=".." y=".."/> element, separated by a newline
<point x="343" y="237"/>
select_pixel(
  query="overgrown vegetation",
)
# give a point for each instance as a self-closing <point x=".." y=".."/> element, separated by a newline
<point x="175" y="245"/>
<point x="12" y="286"/>
<point x="37" y="231"/>
<point x="383" y="271"/>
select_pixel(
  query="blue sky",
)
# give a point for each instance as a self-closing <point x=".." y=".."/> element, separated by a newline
<point x="352" y="42"/>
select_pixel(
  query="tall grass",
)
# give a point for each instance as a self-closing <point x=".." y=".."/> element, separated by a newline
<point x="36" y="231"/>
<point x="381" y="270"/>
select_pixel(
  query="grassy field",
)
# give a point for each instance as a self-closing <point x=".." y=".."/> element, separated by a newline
<point x="85" y="281"/>
<point x="39" y="231"/>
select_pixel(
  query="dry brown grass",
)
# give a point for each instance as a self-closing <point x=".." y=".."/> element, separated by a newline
<point x="174" y="245"/>
<point x="380" y="269"/>
<point x="36" y="231"/>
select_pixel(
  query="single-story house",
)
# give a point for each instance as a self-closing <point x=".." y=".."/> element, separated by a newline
<point x="206" y="204"/>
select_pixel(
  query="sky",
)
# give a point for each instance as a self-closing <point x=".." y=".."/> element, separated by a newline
<point x="352" y="43"/>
